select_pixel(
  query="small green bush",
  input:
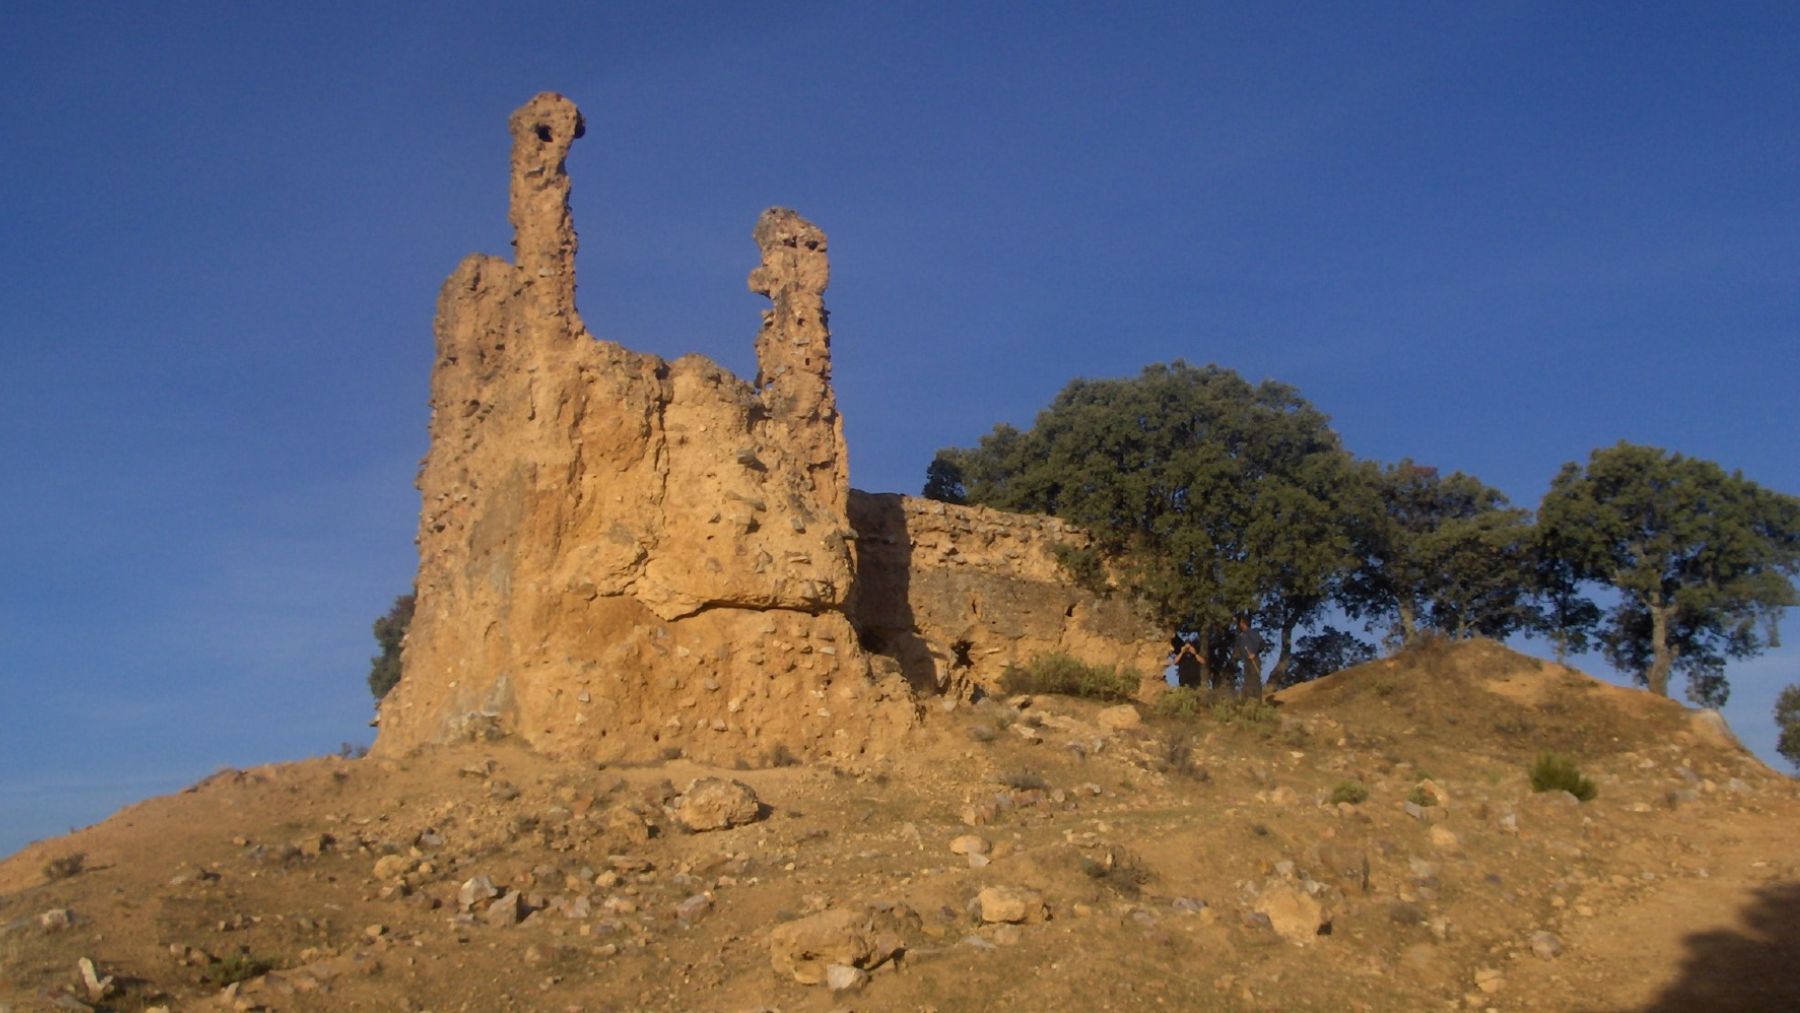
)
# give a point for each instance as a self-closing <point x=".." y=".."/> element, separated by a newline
<point x="1250" y="712"/>
<point x="1420" y="797"/>
<point x="1181" y="702"/>
<point x="1063" y="675"/>
<point x="1552" y="772"/>
<point x="1349" y="791"/>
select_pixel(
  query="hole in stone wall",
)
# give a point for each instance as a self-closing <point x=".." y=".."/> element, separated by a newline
<point x="960" y="652"/>
<point x="543" y="133"/>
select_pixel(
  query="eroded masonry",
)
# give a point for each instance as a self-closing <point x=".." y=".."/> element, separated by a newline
<point x="620" y="554"/>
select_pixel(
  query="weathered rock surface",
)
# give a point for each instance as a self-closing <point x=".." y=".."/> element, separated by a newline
<point x="955" y="594"/>
<point x="621" y="556"/>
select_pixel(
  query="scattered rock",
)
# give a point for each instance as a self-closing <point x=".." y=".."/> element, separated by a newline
<point x="804" y="949"/>
<point x="625" y="826"/>
<point x="1444" y="838"/>
<point x="969" y="844"/>
<point x="476" y="891"/>
<point x="56" y="919"/>
<point x="843" y="978"/>
<point x="1010" y="904"/>
<point x="393" y="867"/>
<point x="1489" y="980"/>
<point x="713" y="803"/>
<point x="1293" y="913"/>
<point x="508" y="910"/>
<point x="1545" y="945"/>
<point x="1120" y="718"/>
<point x="693" y="908"/>
<point x="98" y="987"/>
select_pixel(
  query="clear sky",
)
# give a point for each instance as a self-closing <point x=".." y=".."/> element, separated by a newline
<point x="1490" y="237"/>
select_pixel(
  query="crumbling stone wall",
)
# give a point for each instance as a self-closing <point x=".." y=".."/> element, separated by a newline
<point x="957" y="593"/>
<point x="620" y="554"/>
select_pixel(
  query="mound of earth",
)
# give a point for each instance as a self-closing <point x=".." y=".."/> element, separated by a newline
<point x="1372" y="843"/>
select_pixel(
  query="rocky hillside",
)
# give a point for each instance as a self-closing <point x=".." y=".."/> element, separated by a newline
<point x="1371" y="842"/>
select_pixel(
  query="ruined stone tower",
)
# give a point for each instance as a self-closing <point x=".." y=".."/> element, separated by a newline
<point x="619" y="554"/>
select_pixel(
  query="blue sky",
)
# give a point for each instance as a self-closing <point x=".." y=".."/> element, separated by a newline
<point x="1489" y="237"/>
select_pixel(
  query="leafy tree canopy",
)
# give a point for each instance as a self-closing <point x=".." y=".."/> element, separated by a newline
<point x="1787" y="720"/>
<point x="1442" y="552"/>
<point x="1217" y="497"/>
<point x="1703" y="560"/>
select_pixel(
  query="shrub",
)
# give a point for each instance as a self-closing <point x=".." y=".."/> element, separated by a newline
<point x="1061" y="674"/>
<point x="390" y="634"/>
<point x="1178" y="757"/>
<point x="1349" y="791"/>
<point x="1420" y="797"/>
<point x="233" y="969"/>
<point x="65" y="866"/>
<point x="1552" y="772"/>
<point x="1252" y="712"/>
<point x="1181" y="702"/>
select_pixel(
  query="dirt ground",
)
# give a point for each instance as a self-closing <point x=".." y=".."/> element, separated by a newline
<point x="1215" y="860"/>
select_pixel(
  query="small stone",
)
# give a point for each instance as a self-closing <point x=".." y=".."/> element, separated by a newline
<point x="393" y="867"/>
<point x="475" y="891"/>
<point x="1028" y="733"/>
<point x="508" y="910"/>
<point x="1120" y="718"/>
<point x="1489" y="980"/>
<point x="969" y="844"/>
<point x="56" y="919"/>
<point x="98" y="987"/>
<point x="1445" y="838"/>
<point x="693" y="908"/>
<point x="1283" y="795"/>
<point x="1545" y="945"/>
<point x="503" y="791"/>
<point x="979" y="861"/>
<point x="843" y="978"/>
<point x="1010" y="904"/>
<point x="804" y="949"/>
<point x="714" y="803"/>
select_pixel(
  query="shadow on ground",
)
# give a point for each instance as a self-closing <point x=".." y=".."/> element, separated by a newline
<point x="1754" y="968"/>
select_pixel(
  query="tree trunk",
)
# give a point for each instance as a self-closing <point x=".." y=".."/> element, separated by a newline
<point x="1662" y="656"/>
<point x="1409" y="627"/>
<point x="1285" y="658"/>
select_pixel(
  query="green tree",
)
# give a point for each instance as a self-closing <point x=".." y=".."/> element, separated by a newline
<point x="944" y="481"/>
<point x="1787" y="719"/>
<point x="1441" y="552"/>
<point x="390" y="633"/>
<point x="1214" y="497"/>
<point x="1702" y="559"/>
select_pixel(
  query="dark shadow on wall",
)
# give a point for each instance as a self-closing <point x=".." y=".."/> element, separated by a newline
<point x="880" y="604"/>
<point x="1754" y="968"/>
